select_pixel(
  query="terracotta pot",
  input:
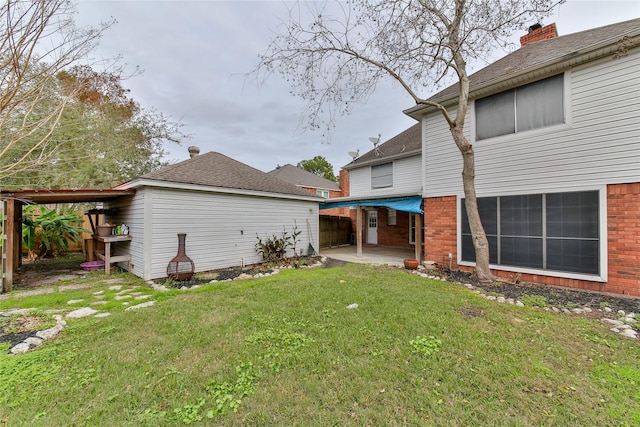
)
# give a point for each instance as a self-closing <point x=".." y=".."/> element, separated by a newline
<point x="411" y="264"/>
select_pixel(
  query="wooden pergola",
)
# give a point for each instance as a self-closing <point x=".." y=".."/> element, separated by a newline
<point x="13" y="201"/>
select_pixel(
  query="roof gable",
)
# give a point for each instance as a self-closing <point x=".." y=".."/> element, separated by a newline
<point x="300" y="177"/>
<point x="407" y="141"/>
<point x="217" y="170"/>
<point x="537" y="56"/>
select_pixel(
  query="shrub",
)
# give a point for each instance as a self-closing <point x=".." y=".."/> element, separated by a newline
<point x="46" y="233"/>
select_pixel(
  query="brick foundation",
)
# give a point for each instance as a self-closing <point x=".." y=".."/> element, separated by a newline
<point x="623" y="240"/>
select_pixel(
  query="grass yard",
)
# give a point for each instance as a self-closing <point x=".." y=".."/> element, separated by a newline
<point x="285" y="351"/>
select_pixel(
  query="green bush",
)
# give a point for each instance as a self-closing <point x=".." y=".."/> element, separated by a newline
<point x="47" y="233"/>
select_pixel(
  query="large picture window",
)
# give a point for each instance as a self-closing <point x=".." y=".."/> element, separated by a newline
<point x="382" y="175"/>
<point x="536" y="105"/>
<point x="558" y="231"/>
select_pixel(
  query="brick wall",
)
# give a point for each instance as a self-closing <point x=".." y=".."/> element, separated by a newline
<point x="440" y="229"/>
<point x="623" y="240"/>
<point x="344" y="181"/>
<point x="393" y="235"/>
<point x="544" y="33"/>
<point x="623" y="205"/>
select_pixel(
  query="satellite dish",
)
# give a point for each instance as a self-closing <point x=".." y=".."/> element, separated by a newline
<point x="354" y="154"/>
<point x="376" y="141"/>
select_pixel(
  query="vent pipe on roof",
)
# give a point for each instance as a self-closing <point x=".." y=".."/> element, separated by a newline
<point x="194" y="151"/>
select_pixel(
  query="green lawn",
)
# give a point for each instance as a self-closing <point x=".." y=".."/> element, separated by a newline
<point x="285" y="351"/>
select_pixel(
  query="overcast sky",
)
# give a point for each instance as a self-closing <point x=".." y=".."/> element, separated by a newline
<point x="195" y="54"/>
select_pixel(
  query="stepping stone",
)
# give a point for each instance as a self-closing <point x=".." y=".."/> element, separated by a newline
<point x="143" y="305"/>
<point x="81" y="312"/>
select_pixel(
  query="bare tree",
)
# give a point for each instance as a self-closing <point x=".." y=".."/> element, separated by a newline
<point x="334" y="55"/>
<point x="38" y="39"/>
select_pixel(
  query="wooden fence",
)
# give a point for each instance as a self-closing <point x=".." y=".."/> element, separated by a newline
<point x="335" y="231"/>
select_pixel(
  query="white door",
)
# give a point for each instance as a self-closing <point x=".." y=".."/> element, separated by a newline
<point x="372" y="227"/>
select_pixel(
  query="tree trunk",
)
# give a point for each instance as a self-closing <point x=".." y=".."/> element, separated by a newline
<point x="480" y="242"/>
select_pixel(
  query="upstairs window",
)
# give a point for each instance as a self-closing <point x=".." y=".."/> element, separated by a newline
<point x="323" y="193"/>
<point x="536" y="105"/>
<point x="382" y="175"/>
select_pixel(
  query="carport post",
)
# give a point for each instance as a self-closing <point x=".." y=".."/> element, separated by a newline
<point x="359" y="231"/>
<point x="418" y="237"/>
<point x="11" y="244"/>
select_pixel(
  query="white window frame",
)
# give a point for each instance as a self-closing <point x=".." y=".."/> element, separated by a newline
<point x="381" y="180"/>
<point x="392" y="216"/>
<point x="323" y="193"/>
<point x="565" y="110"/>
<point x="604" y="266"/>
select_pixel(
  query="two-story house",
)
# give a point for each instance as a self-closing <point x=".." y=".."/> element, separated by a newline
<point x="555" y="127"/>
<point x="385" y="193"/>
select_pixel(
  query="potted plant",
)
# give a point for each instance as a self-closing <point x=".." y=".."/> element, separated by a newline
<point x="411" y="264"/>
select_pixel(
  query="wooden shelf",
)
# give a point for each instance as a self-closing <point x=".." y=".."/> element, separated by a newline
<point x="107" y="258"/>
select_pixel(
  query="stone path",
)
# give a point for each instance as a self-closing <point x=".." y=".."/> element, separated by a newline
<point x="134" y="300"/>
<point x="128" y="295"/>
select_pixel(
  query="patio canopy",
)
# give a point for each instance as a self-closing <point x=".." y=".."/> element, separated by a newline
<point x="411" y="204"/>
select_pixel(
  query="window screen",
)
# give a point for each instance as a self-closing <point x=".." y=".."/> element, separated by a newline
<point x="536" y="105"/>
<point x="557" y="231"/>
<point x="540" y="104"/>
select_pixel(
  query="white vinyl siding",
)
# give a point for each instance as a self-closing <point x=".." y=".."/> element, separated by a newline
<point x="221" y="229"/>
<point x="600" y="144"/>
<point x="407" y="178"/>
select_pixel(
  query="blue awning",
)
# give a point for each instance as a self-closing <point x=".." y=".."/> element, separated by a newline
<point x="404" y="204"/>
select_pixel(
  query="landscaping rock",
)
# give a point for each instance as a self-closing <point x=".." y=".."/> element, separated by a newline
<point x="34" y="341"/>
<point x="144" y="304"/>
<point x="50" y="333"/>
<point x="21" y="348"/>
<point x="81" y="312"/>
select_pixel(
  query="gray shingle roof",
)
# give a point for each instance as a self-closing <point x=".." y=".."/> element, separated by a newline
<point x="301" y="177"/>
<point x="405" y="142"/>
<point x="217" y="170"/>
<point x="538" y="55"/>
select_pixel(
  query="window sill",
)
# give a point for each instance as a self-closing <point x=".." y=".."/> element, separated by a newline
<point x="548" y="273"/>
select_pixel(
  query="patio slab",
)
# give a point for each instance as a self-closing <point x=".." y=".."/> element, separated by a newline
<point x="370" y="255"/>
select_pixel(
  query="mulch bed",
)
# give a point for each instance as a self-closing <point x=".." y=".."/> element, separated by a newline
<point x="554" y="295"/>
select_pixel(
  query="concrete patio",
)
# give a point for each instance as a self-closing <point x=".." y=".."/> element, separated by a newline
<point x="370" y="254"/>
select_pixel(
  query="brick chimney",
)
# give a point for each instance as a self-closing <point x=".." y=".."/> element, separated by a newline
<point x="193" y="151"/>
<point x="537" y="33"/>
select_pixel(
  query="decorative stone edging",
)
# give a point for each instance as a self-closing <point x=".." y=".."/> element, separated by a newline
<point x="622" y="326"/>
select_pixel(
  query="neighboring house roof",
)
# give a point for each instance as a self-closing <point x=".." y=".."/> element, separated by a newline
<point x="540" y="59"/>
<point x="217" y="170"/>
<point x="406" y="143"/>
<point x="303" y="178"/>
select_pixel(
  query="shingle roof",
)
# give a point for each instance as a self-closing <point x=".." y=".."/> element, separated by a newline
<point x="217" y="170"/>
<point x="405" y="142"/>
<point x="301" y="177"/>
<point x="538" y="55"/>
